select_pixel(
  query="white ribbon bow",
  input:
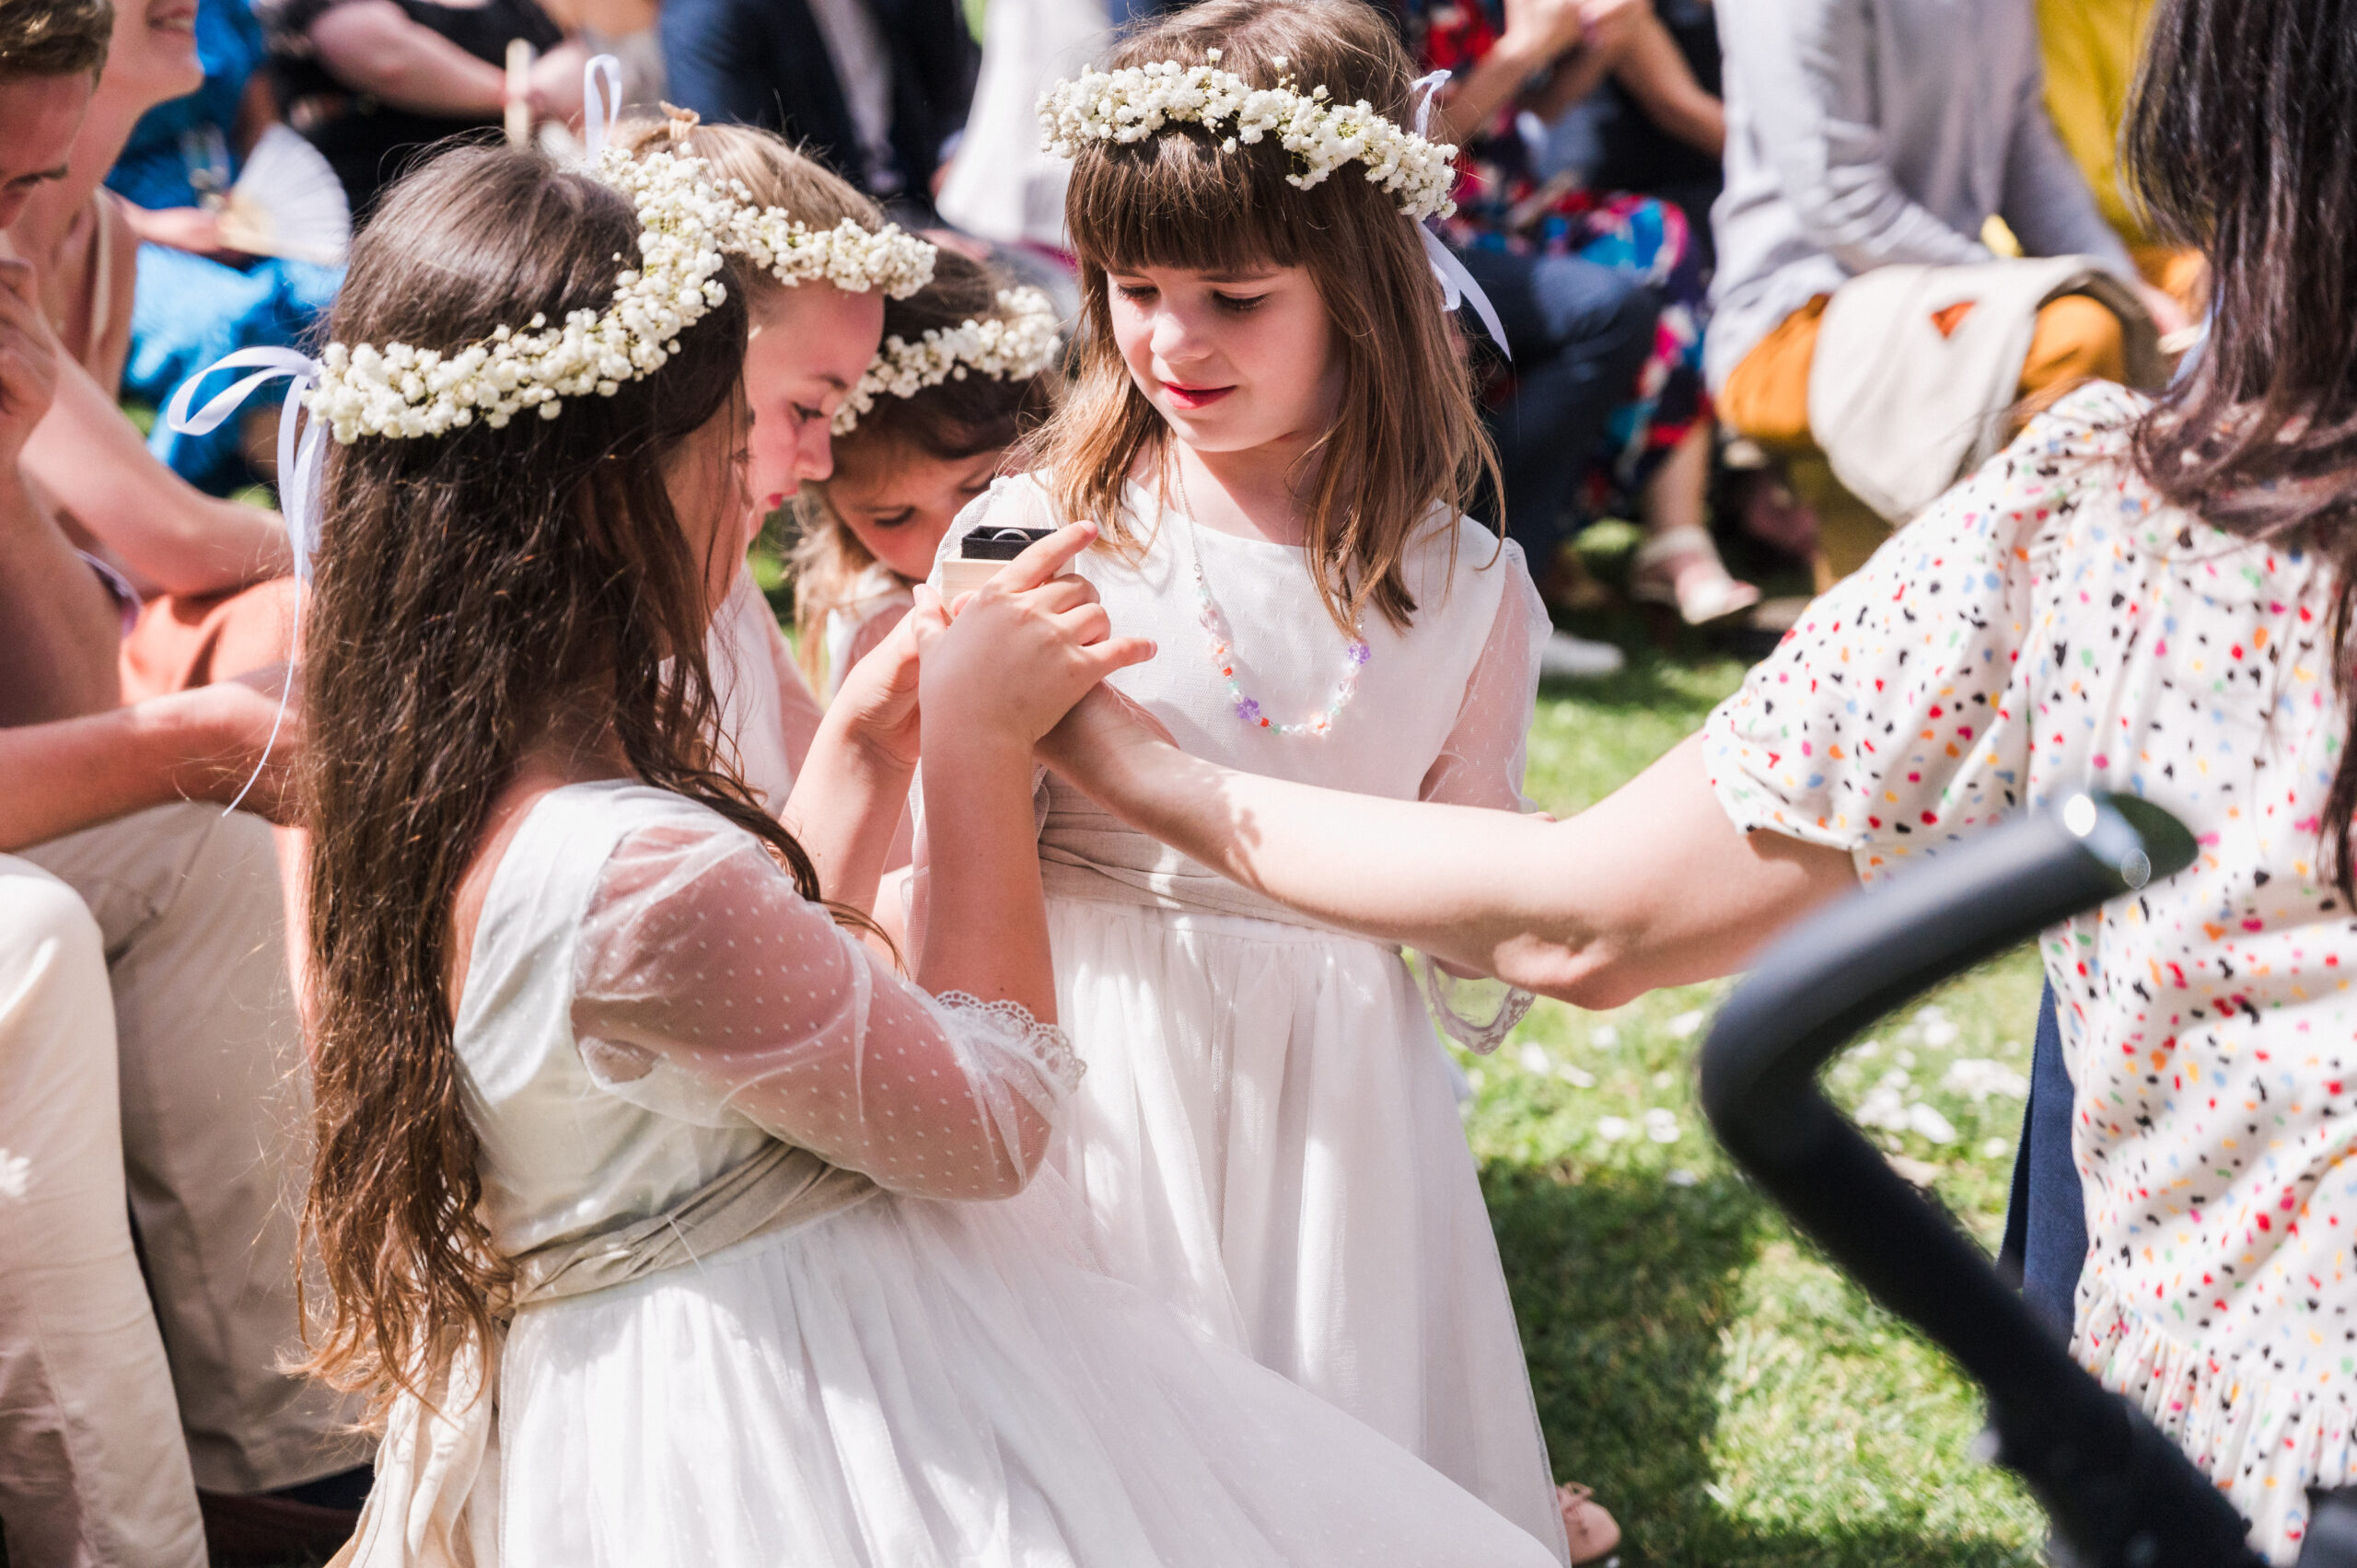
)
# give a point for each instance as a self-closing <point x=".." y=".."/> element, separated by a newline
<point x="1457" y="285"/>
<point x="298" y="466"/>
<point x="601" y="103"/>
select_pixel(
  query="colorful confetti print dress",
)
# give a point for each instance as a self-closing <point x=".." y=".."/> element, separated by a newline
<point x="2047" y="626"/>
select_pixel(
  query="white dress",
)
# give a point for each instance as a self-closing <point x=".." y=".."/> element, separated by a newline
<point x="767" y="713"/>
<point x="1268" y="1136"/>
<point x="908" y="1381"/>
<point x="879" y="598"/>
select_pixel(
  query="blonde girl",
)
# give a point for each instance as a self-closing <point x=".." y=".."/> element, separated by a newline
<point x="1270" y="423"/>
<point x="809" y="341"/>
<point x="668" y="1224"/>
<point x="965" y="372"/>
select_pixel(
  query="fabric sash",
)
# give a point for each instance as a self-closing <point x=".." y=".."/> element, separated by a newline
<point x="439" y="1451"/>
<point x="1457" y="285"/>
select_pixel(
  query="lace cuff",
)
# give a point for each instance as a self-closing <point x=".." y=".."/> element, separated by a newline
<point x="1478" y="1014"/>
<point x="1011" y="1027"/>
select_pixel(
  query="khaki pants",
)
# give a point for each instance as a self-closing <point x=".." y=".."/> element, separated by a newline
<point x="143" y="971"/>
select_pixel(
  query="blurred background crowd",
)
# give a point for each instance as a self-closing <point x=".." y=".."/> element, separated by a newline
<point x="1660" y="200"/>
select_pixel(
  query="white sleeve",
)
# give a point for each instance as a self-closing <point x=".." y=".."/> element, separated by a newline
<point x="1482" y="764"/>
<point x="706" y="987"/>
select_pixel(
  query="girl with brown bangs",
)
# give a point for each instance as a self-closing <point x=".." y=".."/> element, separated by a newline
<point x="1271" y="424"/>
<point x="650" y="1199"/>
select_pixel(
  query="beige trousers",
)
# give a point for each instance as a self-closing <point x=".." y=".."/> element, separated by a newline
<point x="143" y="970"/>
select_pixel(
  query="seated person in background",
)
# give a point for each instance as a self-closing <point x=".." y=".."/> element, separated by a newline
<point x="150" y="1058"/>
<point x="872" y="88"/>
<point x="1867" y="134"/>
<point x="199" y="298"/>
<point x="1641" y="433"/>
<point x="196" y="558"/>
<point x="2091" y="48"/>
<point x="373" y="83"/>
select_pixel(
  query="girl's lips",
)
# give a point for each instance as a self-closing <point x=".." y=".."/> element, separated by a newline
<point x="1195" y="396"/>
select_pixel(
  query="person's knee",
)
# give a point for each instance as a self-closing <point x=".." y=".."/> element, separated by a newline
<point x="2077" y="339"/>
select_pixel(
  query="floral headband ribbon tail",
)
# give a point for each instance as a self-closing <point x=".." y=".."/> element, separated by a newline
<point x="1457" y="285"/>
<point x="299" y="460"/>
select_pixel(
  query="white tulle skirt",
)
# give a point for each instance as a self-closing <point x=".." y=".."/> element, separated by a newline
<point x="1267" y="1138"/>
<point x="912" y="1384"/>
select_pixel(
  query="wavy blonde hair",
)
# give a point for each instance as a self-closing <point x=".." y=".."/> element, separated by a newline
<point x="1408" y="432"/>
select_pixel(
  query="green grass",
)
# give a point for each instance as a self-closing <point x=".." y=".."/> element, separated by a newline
<point x="1731" y="1397"/>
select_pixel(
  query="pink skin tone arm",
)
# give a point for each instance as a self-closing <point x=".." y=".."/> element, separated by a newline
<point x="200" y="745"/>
<point x="371" y="46"/>
<point x="1651" y="887"/>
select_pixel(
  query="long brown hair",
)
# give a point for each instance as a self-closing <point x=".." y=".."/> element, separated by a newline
<point x="2242" y="141"/>
<point x="468" y="585"/>
<point x="1408" y="432"/>
<point x="961" y="418"/>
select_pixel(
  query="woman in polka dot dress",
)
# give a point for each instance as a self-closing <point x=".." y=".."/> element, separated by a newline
<point x="2150" y="597"/>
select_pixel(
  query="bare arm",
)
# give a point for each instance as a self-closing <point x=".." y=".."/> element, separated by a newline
<point x="852" y="786"/>
<point x="1651" y="887"/>
<point x="1656" y="75"/>
<point x="91" y="462"/>
<point x="200" y="745"/>
<point x="370" y="46"/>
<point x="58" y="627"/>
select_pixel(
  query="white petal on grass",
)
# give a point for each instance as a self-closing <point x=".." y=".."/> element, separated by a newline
<point x="1574" y="1077"/>
<point x="1980" y="1077"/>
<point x="1663" y="1078"/>
<point x="1683" y="1177"/>
<point x="1661" y="1125"/>
<point x="1685" y="1024"/>
<point x="1612" y="1128"/>
<point x="1940" y="1034"/>
<point x="1534" y="1059"/>
<point x="1603" y="1037"/>
<point x="1995" y="1149"/>
<point x="1930" y="1124"/>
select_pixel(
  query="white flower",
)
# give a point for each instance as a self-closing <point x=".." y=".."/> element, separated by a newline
<point x="686" y="223"/>
<point x="1014" y="345"/>
<point x="1534" y="1059"/>
<point x="1980" y="1078"/>
<point x="1685" y="1024"/>
<point x="1661" y="1125"/>
<point x="1612" y="1128"/>
<point x="1139" y="101"/>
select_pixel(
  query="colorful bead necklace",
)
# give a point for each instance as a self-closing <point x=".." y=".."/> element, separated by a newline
<point x="1223" y="645"/>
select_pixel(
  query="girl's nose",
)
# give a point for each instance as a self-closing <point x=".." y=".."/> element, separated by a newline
<point x="1170" y="340"/>
<point x="814" y="455"/>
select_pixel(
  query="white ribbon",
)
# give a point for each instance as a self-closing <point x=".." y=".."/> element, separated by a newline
<point x="601" y="103"/>
<point x="1457" y="285"/>
<point x="298" y="465"/>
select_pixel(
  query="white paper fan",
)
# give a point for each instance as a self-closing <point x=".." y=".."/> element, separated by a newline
<point x="287" y="202"/>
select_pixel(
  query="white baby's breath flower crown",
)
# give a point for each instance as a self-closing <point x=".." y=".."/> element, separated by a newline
<point x="1014" y="345"/>
<point x="1139" y="101"/>
<point x="686" y="223"/>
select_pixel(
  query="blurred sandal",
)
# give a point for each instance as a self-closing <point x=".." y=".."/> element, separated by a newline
<point x="1681" y="567"/>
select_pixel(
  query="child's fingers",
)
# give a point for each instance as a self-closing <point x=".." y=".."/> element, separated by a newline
<point x="1115" y="653"/>
<point x="1085" y="624"/>
<point x="1061" y="594"/>
<point x="1046" y="559"/>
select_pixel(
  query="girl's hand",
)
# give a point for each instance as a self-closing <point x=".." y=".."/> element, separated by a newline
<point x="1022" y="650"/>
<point x="879" y="693"/>
<point x="1095" y="745"/>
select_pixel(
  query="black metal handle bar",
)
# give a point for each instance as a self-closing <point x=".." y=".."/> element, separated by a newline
<point x="2122" y="1495"/>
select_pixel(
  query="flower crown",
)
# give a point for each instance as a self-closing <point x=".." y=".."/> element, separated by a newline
<point x="1138" y="102"/>
<point x="685" y="224"/>
<point x="1013" y="346"/>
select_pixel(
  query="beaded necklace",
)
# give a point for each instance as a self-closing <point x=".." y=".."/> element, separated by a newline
<point x="1223" y="647"/>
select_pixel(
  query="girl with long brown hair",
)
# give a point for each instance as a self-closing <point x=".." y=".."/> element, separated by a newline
<point x="2151" y="595"/>
<point x="648" y="1195"/>
<point x="1272" y="424"/>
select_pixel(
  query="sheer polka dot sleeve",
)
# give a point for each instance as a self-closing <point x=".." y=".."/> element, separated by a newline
<point x="1899" y="713"/>
<point x="705" y="987"/>
<point x="1482" y="764"/>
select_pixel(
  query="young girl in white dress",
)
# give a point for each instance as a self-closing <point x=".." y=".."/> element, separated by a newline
<point x="652" y="1203"/>
<point x="965" y="371"/>
<point x="1271" y="426"/>
<point x="811" y="334"/>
